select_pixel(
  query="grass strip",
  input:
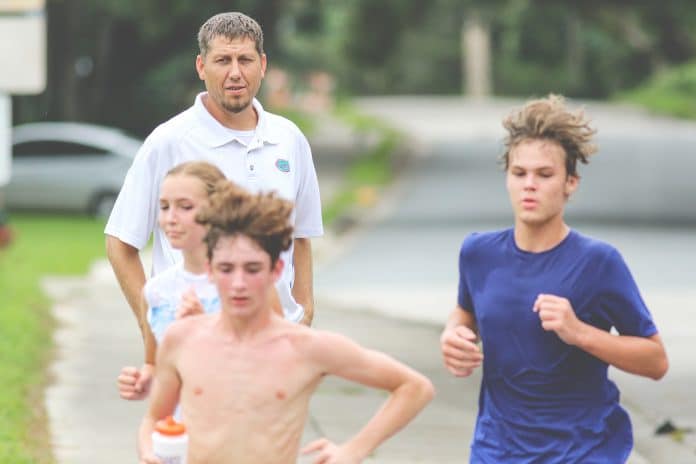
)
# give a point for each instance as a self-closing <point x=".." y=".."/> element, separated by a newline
<point x="43" y="245"/>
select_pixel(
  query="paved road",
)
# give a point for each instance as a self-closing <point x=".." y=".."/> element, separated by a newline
<point x="402" y="263"/>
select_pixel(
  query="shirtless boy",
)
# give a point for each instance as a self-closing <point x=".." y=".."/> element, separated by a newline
<point x="244" y="376"/>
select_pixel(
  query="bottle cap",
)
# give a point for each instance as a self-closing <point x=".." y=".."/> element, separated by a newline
<point x="169" y="426"/>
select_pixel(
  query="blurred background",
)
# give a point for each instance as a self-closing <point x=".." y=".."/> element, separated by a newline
<point x="404" y="94"/>
<point x="106" y="57"/>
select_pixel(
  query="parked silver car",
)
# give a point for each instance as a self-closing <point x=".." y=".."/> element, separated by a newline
<point x="67" y="166"/>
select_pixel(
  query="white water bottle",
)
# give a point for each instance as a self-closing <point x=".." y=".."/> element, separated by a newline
<point x="169" y="441"/>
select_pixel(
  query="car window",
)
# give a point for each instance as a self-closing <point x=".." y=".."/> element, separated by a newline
<point x="54" y="148"/>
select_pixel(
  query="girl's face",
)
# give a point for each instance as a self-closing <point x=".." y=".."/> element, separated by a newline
<point x="181" y="197"/>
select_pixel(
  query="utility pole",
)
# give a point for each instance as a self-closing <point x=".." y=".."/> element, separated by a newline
<point x="476" y="51"/>
<point x="23" y="57"/>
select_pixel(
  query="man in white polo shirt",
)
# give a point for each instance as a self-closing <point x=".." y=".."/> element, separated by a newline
<point x="228" y="127"/>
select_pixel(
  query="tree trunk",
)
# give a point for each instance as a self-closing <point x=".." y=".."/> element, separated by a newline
<point x="476" y="55"/>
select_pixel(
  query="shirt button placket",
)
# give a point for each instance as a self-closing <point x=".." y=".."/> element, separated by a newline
<point x="251" y="164"/>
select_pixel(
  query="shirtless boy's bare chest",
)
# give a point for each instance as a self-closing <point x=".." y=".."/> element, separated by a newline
<point x="247" y="379"/>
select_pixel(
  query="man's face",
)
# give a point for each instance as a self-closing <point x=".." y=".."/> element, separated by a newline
<point x="241" y="270"/>
<point x="537" y="182"/>
<point x="232" y="71"/>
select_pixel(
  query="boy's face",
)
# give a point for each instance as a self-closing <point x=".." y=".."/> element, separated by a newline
<point x="537" y="182"/>
<point x="241" y="270"/>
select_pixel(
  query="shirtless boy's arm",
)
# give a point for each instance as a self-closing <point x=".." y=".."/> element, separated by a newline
<point x="165" y="393"/>
<point x="410" y="392"/>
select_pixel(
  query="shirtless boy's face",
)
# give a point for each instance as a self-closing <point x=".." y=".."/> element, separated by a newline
<point x="241" y="270"/>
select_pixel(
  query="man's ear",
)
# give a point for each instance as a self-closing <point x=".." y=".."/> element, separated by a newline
<point x="264" y="63"/>
<point x="200" y="68"/>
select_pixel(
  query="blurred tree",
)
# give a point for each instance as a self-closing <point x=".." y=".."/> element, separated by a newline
<point x="109" y="57"/>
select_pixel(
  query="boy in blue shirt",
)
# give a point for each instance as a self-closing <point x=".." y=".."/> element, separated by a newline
<point x="542" y="299"/>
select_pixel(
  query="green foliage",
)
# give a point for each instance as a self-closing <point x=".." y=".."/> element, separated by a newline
<point x="371" y="170"/>
<point x="43" y="245"/>
<point x="672" y="92"/>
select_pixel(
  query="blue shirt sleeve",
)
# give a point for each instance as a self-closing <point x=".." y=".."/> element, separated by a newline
<point x="621" y="304"/>
<point x="465" y="260"/>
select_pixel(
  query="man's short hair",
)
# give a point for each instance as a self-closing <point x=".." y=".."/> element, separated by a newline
<point x="232" y="25"/>
<point x="549" y="119"/>
<point x="263" y="217"/>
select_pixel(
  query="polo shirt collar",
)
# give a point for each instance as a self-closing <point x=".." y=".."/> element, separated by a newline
<point x="217" y="135"/>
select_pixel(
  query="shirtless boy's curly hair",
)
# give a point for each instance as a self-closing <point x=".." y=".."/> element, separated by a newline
<point x="549" y="119"/>
<point x="263" y="217"/>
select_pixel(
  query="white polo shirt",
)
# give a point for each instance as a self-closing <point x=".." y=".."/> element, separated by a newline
<point x="278" y="158"/>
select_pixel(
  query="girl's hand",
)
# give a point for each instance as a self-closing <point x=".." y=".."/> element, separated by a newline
<point x="190" y="304"/>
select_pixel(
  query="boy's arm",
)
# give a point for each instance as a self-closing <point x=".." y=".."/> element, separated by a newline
<point x="458" y="343"/>
<point x="165" y="392"/>
<point x="638" y="355"/>
<point x="410" y="391"/>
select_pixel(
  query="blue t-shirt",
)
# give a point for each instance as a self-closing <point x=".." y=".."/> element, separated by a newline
<point x="542" y="400"/>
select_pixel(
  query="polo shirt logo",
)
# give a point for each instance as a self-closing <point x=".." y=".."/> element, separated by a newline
<point x="283" y="165"/>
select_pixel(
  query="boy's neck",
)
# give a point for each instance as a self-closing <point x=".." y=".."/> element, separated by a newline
<point x="536" y="239"/>
<point x="246" y="328"/>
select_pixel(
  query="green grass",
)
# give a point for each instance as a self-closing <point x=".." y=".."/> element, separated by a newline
<point x="58" y="245"/>
<point x="672" y="92"/>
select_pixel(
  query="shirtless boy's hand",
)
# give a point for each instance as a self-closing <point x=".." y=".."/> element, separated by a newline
<point x="134" y="383"/>
<point x="149" y="459"/>
<point x="329" y="453"/>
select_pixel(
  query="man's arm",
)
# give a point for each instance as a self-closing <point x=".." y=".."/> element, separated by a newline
<point x="303" y="286"/>
<point x="128" y="268"/>
<point x="643" y="356"/>
<point x="409" y="393"/>
<point x="458" y="343"/>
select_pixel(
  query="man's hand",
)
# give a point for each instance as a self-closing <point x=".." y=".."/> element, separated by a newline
<point x="190" y="304"/>
<point x="329" y="453"/>
<point x="460" y="351"/>
<point x="557" y="315"/>
<point x="134" y="383"/>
